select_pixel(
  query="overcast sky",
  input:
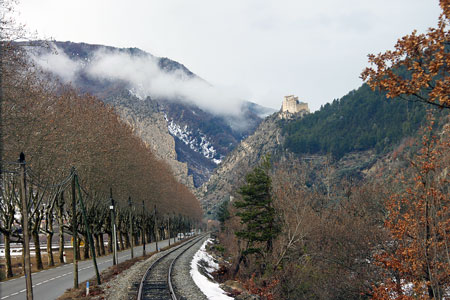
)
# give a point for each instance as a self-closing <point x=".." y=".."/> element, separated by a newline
<point x="261" y="49"/>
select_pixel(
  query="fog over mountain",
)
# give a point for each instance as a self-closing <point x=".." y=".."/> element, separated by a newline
<point x="144" y="76"/>
<point x="184" y="119"/>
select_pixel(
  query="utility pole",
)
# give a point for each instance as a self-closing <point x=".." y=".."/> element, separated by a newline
<point x="155" y="228"/>
<point x="176" y="228"/>
<point x="26" y="235"/>
<point x="74" y="232"/>
<point x="131" y="228"/>
<point x="113" y="228"/>
<point x="60" y="204"/>
<point x="168" y="227"/>
<point x="1" y="110"/>
<point x="143" y="229"/>
<point x="1" y="119"/>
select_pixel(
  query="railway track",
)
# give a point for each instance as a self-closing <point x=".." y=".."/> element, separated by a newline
<point x="156" y="283"/>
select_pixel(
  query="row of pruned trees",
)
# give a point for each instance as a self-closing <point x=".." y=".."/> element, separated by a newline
<point x="60" y="131"/>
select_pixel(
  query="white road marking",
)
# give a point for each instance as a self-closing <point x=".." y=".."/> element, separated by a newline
<point x="65" y="265"/>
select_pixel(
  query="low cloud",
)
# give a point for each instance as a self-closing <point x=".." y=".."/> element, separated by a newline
<point x="144" y="78"/>
<point x="58" y="63"/>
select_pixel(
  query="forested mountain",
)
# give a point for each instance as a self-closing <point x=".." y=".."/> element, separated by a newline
<point x="348" y="135"/>
<point x="349" y="202"/>
<point x="361" y="120"/>
<point x="360" y="187"/>
<point x="334" y="182"/>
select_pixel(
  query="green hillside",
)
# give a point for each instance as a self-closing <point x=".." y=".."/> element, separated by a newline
<point x="361" y="120"/>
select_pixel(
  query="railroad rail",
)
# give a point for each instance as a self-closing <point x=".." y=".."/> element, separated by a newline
<point x="156" y="282"/>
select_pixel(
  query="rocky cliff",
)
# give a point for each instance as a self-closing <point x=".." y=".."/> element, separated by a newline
<point x="192" y="140"/>
<point x="267" y="139"/>
<point x="149" y="123"/>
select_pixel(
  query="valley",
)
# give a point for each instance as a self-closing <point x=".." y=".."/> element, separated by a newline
<point x="251" y="166"/>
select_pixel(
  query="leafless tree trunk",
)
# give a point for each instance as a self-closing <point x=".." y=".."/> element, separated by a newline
<point x="122" y="246"/>
<point x="102" y="244"/>
<point x="110" y="242"/>
<point x="51" y="261"/>
<point x="37" y="246"/>
<point x="60" y="215"/>
<point x="9" y="272"/>
<point x="26" y="237"/>
<point x="86" y="247"/>
<point x="97" y="244"/>
<point x="37" y="249"/>
<point x="127" y="241"/>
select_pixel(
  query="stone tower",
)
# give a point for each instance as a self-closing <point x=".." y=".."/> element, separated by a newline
<point x="291" y="105"/>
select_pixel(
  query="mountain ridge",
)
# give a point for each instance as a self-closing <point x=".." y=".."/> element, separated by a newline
<point x="212" y="136"/>
<point x="329" y="138"/>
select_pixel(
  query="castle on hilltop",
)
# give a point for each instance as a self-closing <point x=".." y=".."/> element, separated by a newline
<point x="291" y="106"/>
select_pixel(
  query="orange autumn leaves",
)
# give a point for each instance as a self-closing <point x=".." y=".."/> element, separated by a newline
<point x="416" y="260"/>
<point x="417" y="263"/>
<point x="418" y="66"/>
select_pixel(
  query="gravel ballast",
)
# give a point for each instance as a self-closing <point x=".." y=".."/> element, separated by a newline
<point x="126" y="285"/>
<point x="185" y="287"/>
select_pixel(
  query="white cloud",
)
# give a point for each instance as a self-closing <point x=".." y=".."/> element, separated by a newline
<point x="144" y="77"/>
<point x="57" y="62"/>
<point x="315" y="49"/>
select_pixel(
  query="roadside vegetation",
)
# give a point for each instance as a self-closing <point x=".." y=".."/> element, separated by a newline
<point x="386" y="236"/>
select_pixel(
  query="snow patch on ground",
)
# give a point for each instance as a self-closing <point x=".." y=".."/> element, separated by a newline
<point x="207" y="285"/>
<point x="136" y="93"/>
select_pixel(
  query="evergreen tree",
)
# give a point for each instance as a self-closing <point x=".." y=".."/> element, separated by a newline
<point x="256" y="211"/>
<point x="223" y="214"/>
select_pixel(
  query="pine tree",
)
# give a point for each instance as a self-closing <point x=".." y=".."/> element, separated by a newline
<point x="256" y="211"/>
<point x="223" y="214"/>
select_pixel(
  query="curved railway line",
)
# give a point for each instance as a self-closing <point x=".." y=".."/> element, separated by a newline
<point x="156" y="284"/>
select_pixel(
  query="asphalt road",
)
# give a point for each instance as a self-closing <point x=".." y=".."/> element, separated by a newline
<point x="52" y="283"/>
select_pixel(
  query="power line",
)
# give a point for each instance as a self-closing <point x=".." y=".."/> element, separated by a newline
<point x="34" y="179"/>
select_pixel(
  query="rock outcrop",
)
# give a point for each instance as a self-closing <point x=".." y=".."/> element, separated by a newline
<point x="191" y="139"/>
<point x="149" y="123"/>
<point x="267" y="139"/>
